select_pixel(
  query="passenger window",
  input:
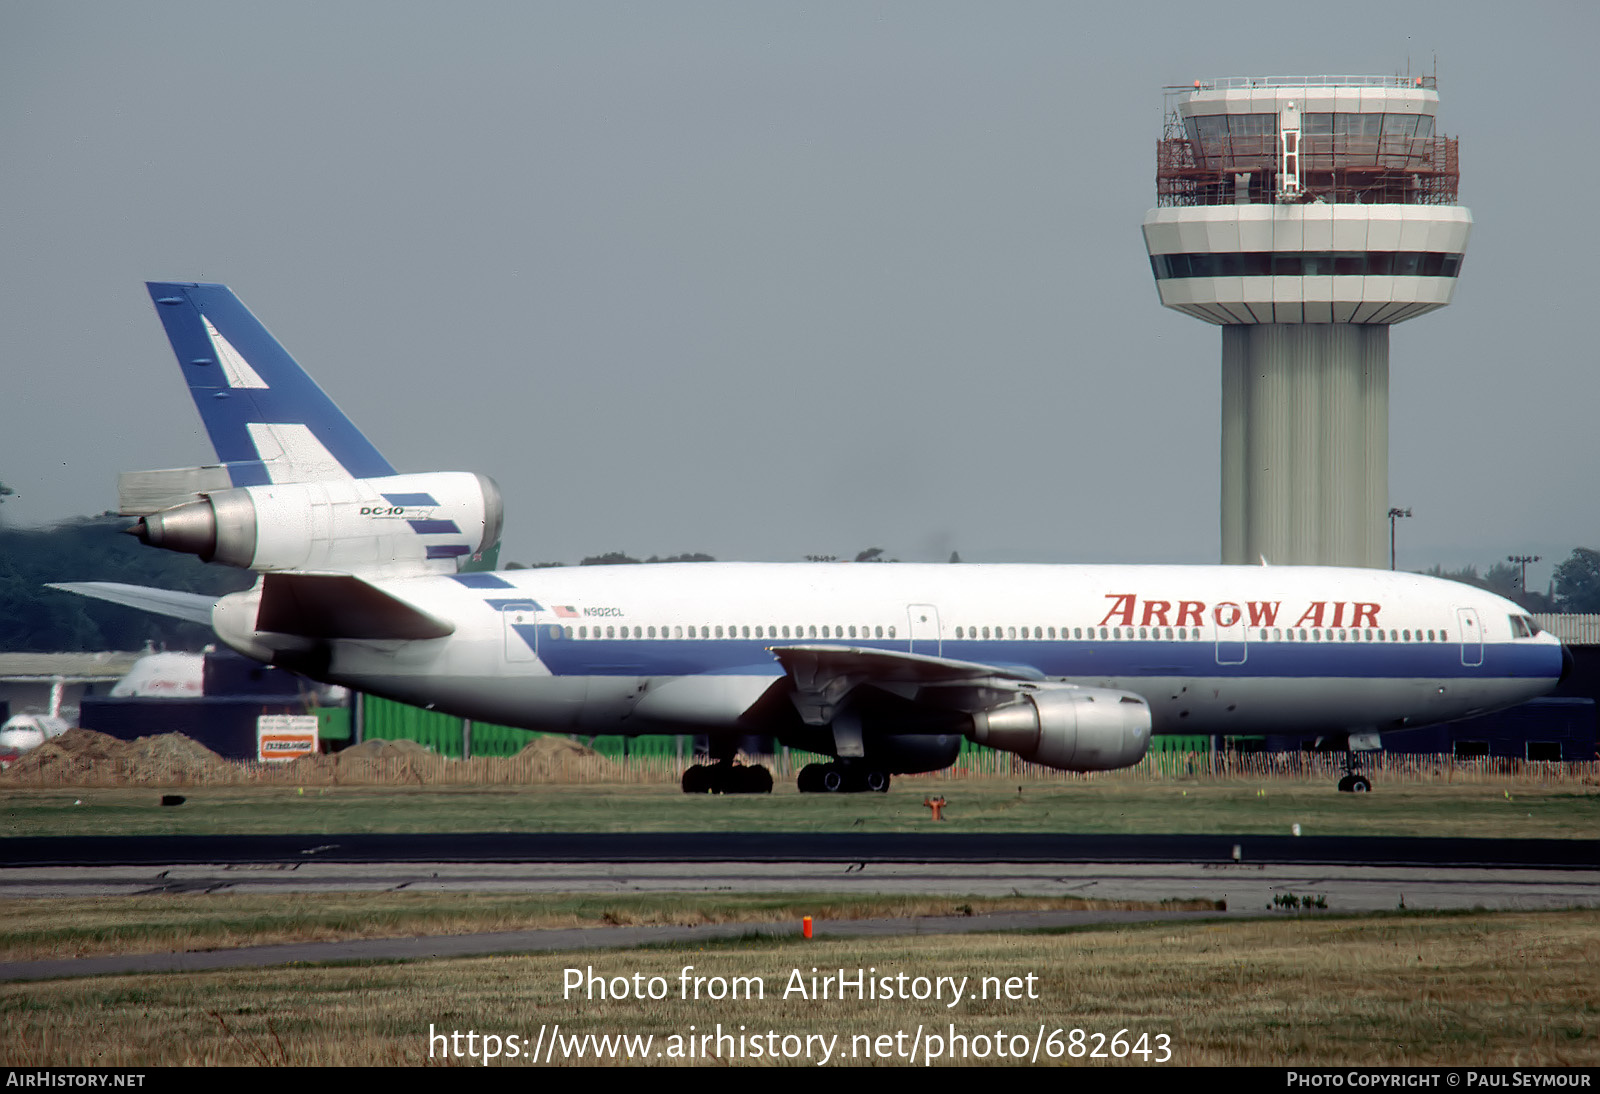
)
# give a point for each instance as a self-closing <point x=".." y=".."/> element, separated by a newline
<point x="986" y="632"/>
<point x="891" y="632"/>
<point x="879" y="633"/>
<point x="1263" y="634"/>
<point x="1143" y="632"/>
<point x="1052" y="633"/>
<point x="1077" y="632"/>
<point x="1011" y="632"/>
<point x="1302" y="634"/>
<point x="958" y="632"/>
<point x="852" y="630"/>
<point x="1341" y="636"/>
<point x="1102" y="633"/>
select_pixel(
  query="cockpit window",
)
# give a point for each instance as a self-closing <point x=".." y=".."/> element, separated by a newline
<point x="1523" y="626"/>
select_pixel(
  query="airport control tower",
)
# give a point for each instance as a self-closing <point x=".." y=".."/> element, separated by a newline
<point x="1304" y="215"/>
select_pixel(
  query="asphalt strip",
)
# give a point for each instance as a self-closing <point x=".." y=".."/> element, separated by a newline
<point x="564" y="938"/>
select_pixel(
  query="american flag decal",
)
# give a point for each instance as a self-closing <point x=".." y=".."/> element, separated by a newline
<point x="565" y="611"/>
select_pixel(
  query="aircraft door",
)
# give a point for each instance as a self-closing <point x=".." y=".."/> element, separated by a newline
<point x="1471" y="636"/>
<point x="520" y="620"/>
<point x="1232" y="634"/>
<point x="924" y="629"/>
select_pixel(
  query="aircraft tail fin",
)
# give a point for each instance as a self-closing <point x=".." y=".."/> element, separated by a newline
<point x="268" y="421"/>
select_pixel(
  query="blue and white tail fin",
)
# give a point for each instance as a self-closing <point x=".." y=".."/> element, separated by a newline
<point x="269" y="422"/>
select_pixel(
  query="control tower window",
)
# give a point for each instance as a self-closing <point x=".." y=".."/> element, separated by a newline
<point x="1399" y="125"/>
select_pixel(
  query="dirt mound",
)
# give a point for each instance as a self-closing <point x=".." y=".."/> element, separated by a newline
<point x="556" y="759"/>
<point x="552" y="746"/>
<point x="172" y="755"/>
<point x="82" y="756"/>
<point x="68" y="758"/>
<point x="378" y="748"/>
<point x="376" y="761"/>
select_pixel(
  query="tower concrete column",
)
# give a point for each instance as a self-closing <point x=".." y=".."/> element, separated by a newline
<point x="1304" y="443"/>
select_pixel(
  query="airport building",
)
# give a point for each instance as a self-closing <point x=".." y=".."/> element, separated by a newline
<point x="1304" y="215"/>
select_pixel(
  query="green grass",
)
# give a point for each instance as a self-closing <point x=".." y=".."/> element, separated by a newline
<point x="1505" y="988"/>
<point x="1255" y="807"/>
<point x="40" y="928"/>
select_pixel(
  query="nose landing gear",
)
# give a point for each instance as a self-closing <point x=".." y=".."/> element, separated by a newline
<point x="1353" y="782"/>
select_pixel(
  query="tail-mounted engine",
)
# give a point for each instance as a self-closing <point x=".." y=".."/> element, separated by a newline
<point x="1068" y="728"/>
<point x="426" y="523"/>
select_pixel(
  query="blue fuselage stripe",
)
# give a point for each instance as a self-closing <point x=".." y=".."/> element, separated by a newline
<point x="1353" y="660"/>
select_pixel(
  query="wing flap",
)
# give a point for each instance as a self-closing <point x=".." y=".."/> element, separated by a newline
<point x="824" y="676"/>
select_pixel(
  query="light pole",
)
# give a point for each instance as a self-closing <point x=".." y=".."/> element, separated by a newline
<point x="1394" y="515"/>
<point x="1522" y="560"/>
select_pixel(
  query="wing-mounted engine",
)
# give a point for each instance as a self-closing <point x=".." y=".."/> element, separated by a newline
<point x="1069" y="728"/>
<point x="398" y="524"/>
<point x="1012" y="708"/>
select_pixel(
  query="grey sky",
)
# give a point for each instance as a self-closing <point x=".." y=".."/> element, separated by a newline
<point x="762" y="280"/>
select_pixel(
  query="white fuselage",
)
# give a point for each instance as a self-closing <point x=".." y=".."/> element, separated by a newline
<point x="1212" y="649"/>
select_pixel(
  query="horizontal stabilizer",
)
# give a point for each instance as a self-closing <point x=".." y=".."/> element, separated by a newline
<point x="340" y="606"/>
<point x="194" y="607"/>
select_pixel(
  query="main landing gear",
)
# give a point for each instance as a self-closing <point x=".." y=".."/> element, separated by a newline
<point x="1353" y="782"/>
<point x="727" y="777"/>
<point x="842" y="778"/>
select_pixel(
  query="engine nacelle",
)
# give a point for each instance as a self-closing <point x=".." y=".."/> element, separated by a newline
<point x="398" y="524"/>
<point x="1069" y="728"/>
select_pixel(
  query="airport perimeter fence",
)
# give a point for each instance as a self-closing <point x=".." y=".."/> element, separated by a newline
<point x="416" y="766"/>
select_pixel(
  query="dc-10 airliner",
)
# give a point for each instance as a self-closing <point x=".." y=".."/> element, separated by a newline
<point x="886" y="668"/>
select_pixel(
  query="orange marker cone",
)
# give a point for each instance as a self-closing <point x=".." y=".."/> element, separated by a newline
<point x="805" y="927"/>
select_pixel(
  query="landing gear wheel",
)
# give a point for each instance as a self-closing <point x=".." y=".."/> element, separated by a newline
<point x="1354" y="784"/>
<point x="727" y="778"/>
<point x="697" y="779"/>
<point x="832" y="779"/>
<point x="752" y="779"/>
<point x="876" y="781"/>
<point x="809" y="781"/>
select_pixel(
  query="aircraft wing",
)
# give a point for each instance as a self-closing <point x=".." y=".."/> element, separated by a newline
<point x="194" y="607"/>
<point x="824" y="675"/>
